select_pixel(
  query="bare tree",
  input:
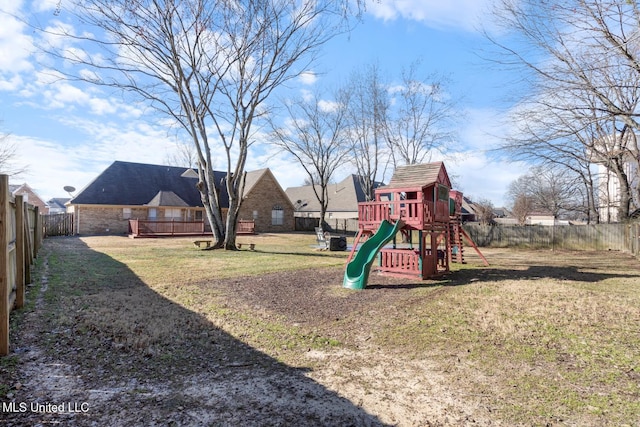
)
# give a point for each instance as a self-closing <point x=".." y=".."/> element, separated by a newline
<point x="421" y="118"/>
<point x="484" y="211"/>
<point x="185" y="154"/>
<point x="316" y="136"/>
<point x="208" y="64"/>
<point x="367" y="116"/>
<point x="546" y="189"/>
<point x="580" y="61"/>
<point x="8" y="153"/>
<point x="521" y="203"/>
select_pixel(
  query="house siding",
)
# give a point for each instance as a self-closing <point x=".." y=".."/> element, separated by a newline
<point x="266" y="194"/>
<point x="96" y="219"/>
<point x="92" y="219"/>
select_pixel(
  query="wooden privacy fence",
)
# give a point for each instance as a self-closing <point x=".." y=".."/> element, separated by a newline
<point x="618" y="237"/>
<point x="20" y="239"/>
<point x="60" y="224"/>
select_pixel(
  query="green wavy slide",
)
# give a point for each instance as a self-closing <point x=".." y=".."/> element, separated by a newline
<point x="357" y="271"/>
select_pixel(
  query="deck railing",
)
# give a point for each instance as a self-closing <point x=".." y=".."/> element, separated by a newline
<point x="148" y="228"/>
<point x="142" y="228"/>
<point x="246" y="227"/>
<point x="413" y="213"/>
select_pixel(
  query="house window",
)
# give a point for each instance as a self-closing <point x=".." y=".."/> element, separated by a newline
<point x="255" y="215"/>
<point x="198" y="215"/>
<point x="153" y="213"/>
<point x="126" y="213"/>
<point x="172" y="213"/>
<point x="277" y="215"/>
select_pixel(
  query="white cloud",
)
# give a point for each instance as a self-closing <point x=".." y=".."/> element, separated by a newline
<point x="15" y="46"/>
<point x="308" y="77"/>
<point x="328" y="106"/>
<point x="478" y="173"/>
<point x="11" y="84"/>
<point x="47" y="5"/>
<point x="463" y="14"/>
<point x="53" y="164"/>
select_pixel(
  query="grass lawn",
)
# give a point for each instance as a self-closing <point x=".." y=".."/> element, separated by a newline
<point x="537" y="338"/>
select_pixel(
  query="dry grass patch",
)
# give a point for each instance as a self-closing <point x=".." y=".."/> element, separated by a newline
<point x="542" y="338"/>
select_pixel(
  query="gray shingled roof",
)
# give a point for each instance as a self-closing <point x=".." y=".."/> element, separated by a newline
<point x="137" y="184"/>
<point x="58" y="202"/>
<point x="344" y="196"/>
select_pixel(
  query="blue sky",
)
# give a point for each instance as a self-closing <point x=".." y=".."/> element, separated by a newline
<point x="68" y="134"/>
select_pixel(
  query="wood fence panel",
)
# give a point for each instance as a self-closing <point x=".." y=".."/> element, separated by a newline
<point x="597" y="237"/>
<point x="6" y="279"/>
<point x="19" y="241"/>
<point x="60" y="224"/>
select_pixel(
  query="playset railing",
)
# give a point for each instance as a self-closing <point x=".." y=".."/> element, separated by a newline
<point x="414" y="213"/>
<point x="400" y="261"/>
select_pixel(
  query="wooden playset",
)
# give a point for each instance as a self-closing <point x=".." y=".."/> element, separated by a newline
<point x="420" y="197"/>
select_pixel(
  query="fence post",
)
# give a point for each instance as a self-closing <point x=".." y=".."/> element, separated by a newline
<point x="37" y="232"/>
<point x="21" y="259"/>
<point x="4" y="265"/>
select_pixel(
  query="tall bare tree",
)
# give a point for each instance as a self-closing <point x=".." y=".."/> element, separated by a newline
<point x="367" y="116"/>
<point x="316" y="136"/>
<point x="421" y="119"/>
<point x="209" y="64"/>
<point x="580" y="61"/>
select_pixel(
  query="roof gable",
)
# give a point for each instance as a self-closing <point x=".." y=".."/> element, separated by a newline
<point x="167" y="198"/>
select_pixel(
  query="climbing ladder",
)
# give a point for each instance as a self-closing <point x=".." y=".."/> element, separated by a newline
<point x="456" y="247"/>
<point x="456" y="234"/>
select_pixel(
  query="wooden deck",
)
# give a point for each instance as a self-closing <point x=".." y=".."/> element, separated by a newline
<point x="169" y="228"/>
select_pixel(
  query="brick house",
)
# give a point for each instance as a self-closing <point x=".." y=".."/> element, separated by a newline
<point x="30" y="197"/>
<point x="128" y="190"/>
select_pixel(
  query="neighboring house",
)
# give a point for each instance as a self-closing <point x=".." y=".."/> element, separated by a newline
<point x="468" y="213"/>
<point x="608" y="185"/>
<point x="544" y="218"/>
<point x="344" y="197"/>
<point x="30" y="197"/>
<point x="57" y="205"/>
<point x="155" y="192"/>
<point x="609" y="191"/>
